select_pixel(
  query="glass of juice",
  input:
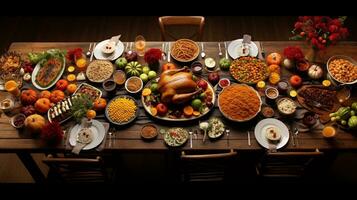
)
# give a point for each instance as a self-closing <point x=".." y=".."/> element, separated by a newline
<point x="140" y="45"/>
<point x="12" y="87"/>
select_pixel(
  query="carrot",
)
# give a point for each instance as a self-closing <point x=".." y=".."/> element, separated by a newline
<point x="188" y="111"/>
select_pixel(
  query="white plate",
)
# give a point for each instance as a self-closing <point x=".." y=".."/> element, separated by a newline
<point x="266" y="123"/>
<point x="101" y="56"/>
<point x="235" y="45"/>
<point x="97" y="129"/>
<point x="37" y="68"/>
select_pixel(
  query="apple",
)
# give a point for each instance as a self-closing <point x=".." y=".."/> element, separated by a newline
<point x="121" y="62"/>
<point x="62" y="85"/>
<point x="224" y="63"/>
<point x="295" y="81"/>
<point x="152" y="74"/>
<point x="131" y="56"/>
<point x="146" y="69"/>
<point x="213" y="78"/>
<point x="168" y="66"/>
<point x="161" y="109"/>
<point x="144" y="77"/>
<point x="202" y="84"/>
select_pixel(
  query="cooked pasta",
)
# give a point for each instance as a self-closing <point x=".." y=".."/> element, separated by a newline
<point x="184" y="50"/>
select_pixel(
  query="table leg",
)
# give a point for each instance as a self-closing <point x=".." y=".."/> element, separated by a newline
<point x="32" y="167"/>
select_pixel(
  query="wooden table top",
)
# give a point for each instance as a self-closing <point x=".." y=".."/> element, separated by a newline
<point x="128" y="138"/>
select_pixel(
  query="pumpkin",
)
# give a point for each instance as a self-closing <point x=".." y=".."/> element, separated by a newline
<point x="45" y="94"/>
<point x="42" y="105"/>
<point x="274" y="78"/>
<point x="57" y="96"/>
<point x="71" y="88"/>
<point x="274" y="58"/>
<point x="99" y="104"/>
<point x="315" y="72"/>
<point x="28" y="97"/>
<point x="62" y="84"/>
<point x="34" y="123"/>
<point x="274" y="68"/>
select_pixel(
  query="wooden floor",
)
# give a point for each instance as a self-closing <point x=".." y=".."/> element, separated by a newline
<point x="97" y="28"/>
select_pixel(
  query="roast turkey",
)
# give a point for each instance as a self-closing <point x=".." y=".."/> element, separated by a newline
<point x="177" y="86"/>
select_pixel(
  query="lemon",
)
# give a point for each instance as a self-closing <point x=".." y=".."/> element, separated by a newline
<point x="71" y="69"/>
<point x="71" y="77"/>
<point x="293" y="93"/>
<point x="326" y="83"/>
<point x="261" y="84"/>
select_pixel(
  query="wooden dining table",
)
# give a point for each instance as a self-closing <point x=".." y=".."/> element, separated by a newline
<point x="128" y="138"/>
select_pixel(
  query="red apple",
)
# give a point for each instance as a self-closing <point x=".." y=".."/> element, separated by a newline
<point x="62" y="85"/>
<point x="202" y="84"/>
<point x="161" y="109"/>
<point x="213" y="78"/>
<point x="295" y="81"/>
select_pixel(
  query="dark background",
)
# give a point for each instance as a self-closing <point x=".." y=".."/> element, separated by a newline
<point x="97" y="28"/>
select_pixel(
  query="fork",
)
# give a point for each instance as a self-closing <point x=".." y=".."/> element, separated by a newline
<point x="220" y="50"/>
<point x="190" y="133"/>
<point x="296" y="132"/>
<point x="91" y="56"/>
<point x="225" y="48"/>
<point x="227" y="134"/>
<point x="88" y="53"/>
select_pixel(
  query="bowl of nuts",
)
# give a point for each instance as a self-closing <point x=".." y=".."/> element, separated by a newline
<point x="342" y="69"/>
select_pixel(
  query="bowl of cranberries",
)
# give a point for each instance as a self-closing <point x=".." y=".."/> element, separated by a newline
<point x="18" y="120"/>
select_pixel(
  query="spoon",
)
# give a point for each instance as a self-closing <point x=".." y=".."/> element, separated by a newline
<point x="220" y="50"/>
<point x="88" y="52"/>
<point x="203" y="51"/>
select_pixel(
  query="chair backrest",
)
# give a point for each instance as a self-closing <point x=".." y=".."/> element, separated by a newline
<point x="166" y="21"/>
<point x="75" y="170"/>
<point x="206" y="167"/>
<point x="287" y="164"/>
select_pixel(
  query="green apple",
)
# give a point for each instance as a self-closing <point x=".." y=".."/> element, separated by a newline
<point x="152" y="74"/>
<point x="146" y="69"/>
<point x="121" y="62"/>
<point x="224" y="63"/>
<point x="144" y="77"/>
<point x="154" y="87"/>
<point x="196" y="104"/>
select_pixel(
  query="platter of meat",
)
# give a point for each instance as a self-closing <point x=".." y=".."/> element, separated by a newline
<point x="318" y="99"/>
<point x="48" y="71"/>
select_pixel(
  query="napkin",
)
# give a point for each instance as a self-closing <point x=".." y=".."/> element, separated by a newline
<point x="115" y="39"/>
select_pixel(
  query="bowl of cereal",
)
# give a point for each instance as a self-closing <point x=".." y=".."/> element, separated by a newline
<point x="342" y="69"/>
<point x="286" y="106"/>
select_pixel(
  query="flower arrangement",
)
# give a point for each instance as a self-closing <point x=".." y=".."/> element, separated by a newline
<point x="152" y="56"/>
<point x="320" y="31"/>
<point x="74" y="54"/>
<point x="293" y="53"/>
<point x="52" y="132"/>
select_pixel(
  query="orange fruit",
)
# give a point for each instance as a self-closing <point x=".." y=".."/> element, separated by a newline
<point x="91" y="114"/>
<point x="71" y="69"/>
<point x="81" y="63"/>
<point x="71" y="77"/>
<point x="329" y="132"/>
<point x="71" y="88"/>
<point x="153" y="111"/>
<point x="146" y="92"/>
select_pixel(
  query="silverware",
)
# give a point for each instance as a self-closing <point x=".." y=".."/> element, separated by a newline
<point x="248" y="132"/>
<point x="296" y="132"/>
<point x="163" y="54"/>
<point x="225" y="48"/>
<point x="190" y="132"/>
<point x="292" y="137"/>
<point x="227" y="134"/>
<point x="89" y="48"/>
<point x="91" y="56"/>
<point x="220" y="50"/>
<point x="126" y="47"/>
<point x="272" y="148"/>
<point x="262" y="52"/>
<point x="203" y="51"/>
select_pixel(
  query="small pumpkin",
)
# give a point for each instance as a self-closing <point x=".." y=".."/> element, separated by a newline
<point x="99" y="104"/>
<point x="274" y="78"/>
<point x="288" y="64"/>
<point x="57" y="96"/>
<point x="42" y="105"/>
<point x="28" y="97"/>
<point x="274" y="58"/>
<point x="45" y="94"/>
<point x="315" y="72"/>
<point x="34" y="123"/>
<point x="71" y="88"/>
<point x="274" y="68"/>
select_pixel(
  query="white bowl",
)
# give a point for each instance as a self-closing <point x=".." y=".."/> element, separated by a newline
<point x="340" y="57"/>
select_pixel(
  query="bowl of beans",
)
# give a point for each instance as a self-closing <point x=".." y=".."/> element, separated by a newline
<point x="342" y="69"/>
<point x="122" y="110"/>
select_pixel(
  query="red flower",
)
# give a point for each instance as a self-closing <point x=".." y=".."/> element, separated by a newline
<point x="298" y="25"/>
<point x="344" y="32"/>
<point x="333" y="28"/>
<point x="334" y="36"/>
<point x="152" y="56"/>
<point x="73" y="54"/>
<point x="293" y="53"/>
<point x="314" y="42"/>
<point x="336" y="22"/>
<point x="52" y="132"/>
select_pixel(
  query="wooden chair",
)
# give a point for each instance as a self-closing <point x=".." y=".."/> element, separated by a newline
<point x="75" y="170"/>
<point x="206" y="167"/>
<point x="287" y="165"/>
<point x="197" y="21"/>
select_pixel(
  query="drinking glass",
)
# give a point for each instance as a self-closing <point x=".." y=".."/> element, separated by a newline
<point x="140" y="45"/>
<point x="12" y="87"/>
